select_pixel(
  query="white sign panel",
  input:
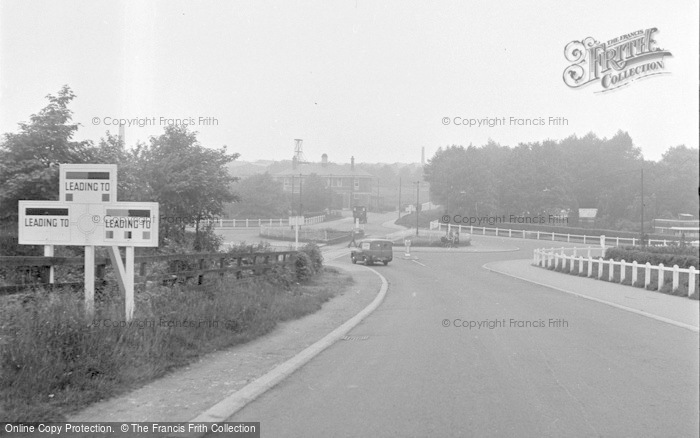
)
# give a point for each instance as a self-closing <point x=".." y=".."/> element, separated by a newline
<point x="65" y="223"/>
<point x="130" y="223"/>
<point x="88" y="183"/>
<point x="44" y="223"/>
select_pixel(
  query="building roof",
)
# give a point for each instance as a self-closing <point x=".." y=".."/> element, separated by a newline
<point x="330" y="169"/>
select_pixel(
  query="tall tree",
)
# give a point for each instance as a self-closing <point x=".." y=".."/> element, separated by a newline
<point x="190" y="182"/>
<point x="260" y="196"/>
<point x="29" y="159"/>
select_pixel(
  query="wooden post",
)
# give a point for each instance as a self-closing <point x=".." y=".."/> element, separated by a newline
<point x="691" y="280"/>
<point x="660" y="276"/>
<point x="634" y="272"/>
<point x="675" y="277"/>
<point x="90" y="281"/>
<point x="48" y="252"/>
<point x="647" y="274"/>
<point x="623" y="268"/>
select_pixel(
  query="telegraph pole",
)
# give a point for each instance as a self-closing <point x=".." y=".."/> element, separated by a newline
<point x="300" y="185"/>
<point x="642" y="226"/>
<point x="417" y="183"/>
<point x="399" y="197"/>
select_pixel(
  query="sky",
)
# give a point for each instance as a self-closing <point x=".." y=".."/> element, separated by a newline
<point x="373" y="80"/>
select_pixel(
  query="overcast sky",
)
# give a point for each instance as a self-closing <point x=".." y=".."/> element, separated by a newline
<point x="369" y="79"/>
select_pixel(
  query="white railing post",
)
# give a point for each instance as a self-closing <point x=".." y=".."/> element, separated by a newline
<point x="634" y="272"/>
<point x="552" y="237"/>
<point x="568" y="238"/>
<point x="538" y="235"/>
<point x="580" y="265"/>
<point x="660" y="276"/>
<point x="589" y="252"/>
<point x="590" y="266"/>
<point x="600" y="268"/>
<point x="471" y="229"/>
<point x="675" y="277"/>
<point x="647" y="274"/>
<point x="246" y="223"/>
<point x="617" y="241"/>
<point x="623" y="268"/>
<point x="691" y="280"/>
<point x="602" y="241"/>
<point x="633" y="240"/>
<point x="611" y="269"/>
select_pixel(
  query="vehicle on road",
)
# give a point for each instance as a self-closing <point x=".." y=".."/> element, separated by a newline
<point x="359" y="213"/>
<point x="370" y="251"/>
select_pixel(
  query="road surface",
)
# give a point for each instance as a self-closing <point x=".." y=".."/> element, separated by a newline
<point x="542" y="363"/>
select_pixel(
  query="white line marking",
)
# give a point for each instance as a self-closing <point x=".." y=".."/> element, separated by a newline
<point x="416" y="261"/>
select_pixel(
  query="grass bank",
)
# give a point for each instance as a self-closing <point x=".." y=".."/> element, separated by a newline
<point x="53" y="361"/>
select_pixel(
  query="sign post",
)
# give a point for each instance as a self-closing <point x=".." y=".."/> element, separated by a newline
<point x="89" y="215"/>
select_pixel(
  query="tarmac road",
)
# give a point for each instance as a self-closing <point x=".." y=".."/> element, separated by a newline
<point x="543" y="363"/>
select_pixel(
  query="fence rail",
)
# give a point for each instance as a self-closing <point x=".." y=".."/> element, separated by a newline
<point x="557" y="258"/>
<point x="186" y="266"/>
<point x="255" y="223"/>
<point x="551" y="236"/>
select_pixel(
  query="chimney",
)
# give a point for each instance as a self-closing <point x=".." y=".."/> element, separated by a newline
<point x="294" y="162"/>
<point x="352" y="164"/>
<point x="324" y="160"/>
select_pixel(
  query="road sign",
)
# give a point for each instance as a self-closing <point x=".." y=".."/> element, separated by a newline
<point x="88" y="183"/>
<point x="69" y="223"/>
<point x="44" y="223"/>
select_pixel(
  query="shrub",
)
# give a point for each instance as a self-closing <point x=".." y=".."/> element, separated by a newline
<point x="314" y="253"/>
<point x="684" y="257"/>
<point x="303" y="266"/>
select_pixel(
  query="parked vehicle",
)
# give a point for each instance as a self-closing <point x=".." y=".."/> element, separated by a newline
<point x="370" y="251"/>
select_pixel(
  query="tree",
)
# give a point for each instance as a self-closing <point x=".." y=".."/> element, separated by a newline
<point x="29" y="159"/>
<point x="190" y="182"/>
<point x="314" y="196"/>
<point x="260" y="196"/>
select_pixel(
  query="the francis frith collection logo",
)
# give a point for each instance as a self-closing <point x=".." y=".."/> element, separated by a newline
<point x="616" y="62"/>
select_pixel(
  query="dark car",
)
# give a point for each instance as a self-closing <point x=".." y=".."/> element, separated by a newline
<point x="370" y="251"/>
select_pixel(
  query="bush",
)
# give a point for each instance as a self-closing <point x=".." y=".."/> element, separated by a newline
<point x="314" y="253"/>
<point x="684" y="257"/>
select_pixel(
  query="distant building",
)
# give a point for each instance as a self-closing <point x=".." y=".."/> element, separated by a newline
<point x="351" y="186"/>
<point x="686" y="225"/>
<point x="587" y="217"/>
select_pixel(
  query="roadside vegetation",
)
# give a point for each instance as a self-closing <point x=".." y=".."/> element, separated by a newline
<point x="53" y="361"/>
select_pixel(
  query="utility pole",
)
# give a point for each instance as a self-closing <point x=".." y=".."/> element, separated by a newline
<point x="642" y="229"/>
<point x="399" y="197"/>
<point x="300" y="185"/>
<point x="417" y="183"/>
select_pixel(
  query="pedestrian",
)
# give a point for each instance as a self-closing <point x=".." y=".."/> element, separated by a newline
<point x="352" y="239"/>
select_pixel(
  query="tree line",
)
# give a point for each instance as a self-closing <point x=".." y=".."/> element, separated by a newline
<point x="562" y="176"/>
<point x="189" y="181"/>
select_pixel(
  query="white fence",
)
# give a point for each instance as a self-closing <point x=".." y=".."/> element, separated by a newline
<point x="557" y="258"/>
<point x="255" y="223"/>
<point x="561" y="237"/>
<point x="287" y="233"/>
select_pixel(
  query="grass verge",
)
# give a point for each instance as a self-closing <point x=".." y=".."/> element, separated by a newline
<point x="54" y="362"/>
